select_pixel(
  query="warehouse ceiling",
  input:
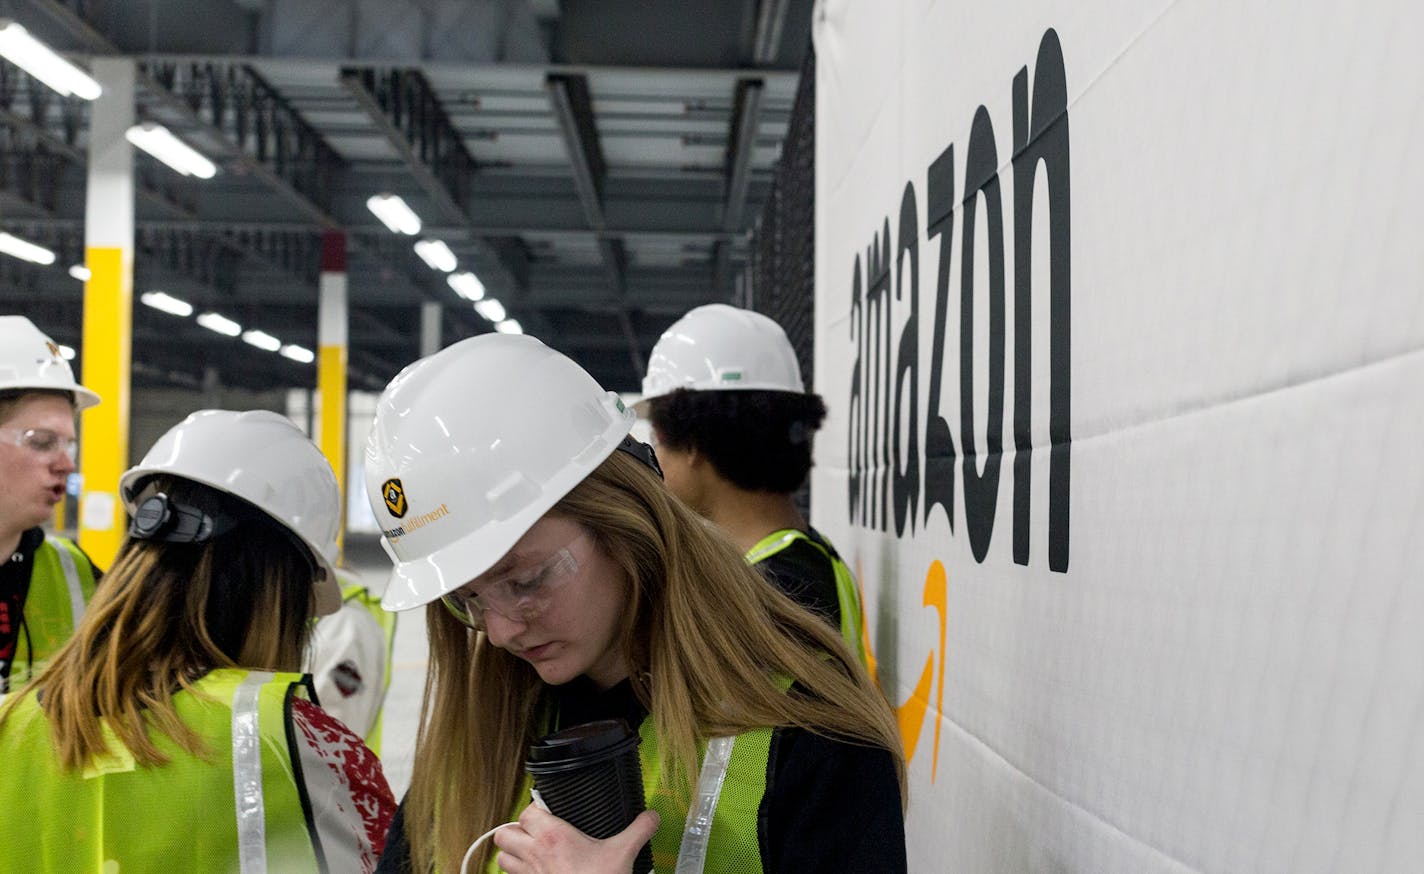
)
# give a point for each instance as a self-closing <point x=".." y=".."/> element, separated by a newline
<point x="597" y="164"/>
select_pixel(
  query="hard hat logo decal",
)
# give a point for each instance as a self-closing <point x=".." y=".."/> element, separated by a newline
<point x="394" y="493"/>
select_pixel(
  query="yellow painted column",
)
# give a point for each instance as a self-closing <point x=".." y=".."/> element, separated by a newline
<point x="331" y="364"/>
<point x="108" y="310"/>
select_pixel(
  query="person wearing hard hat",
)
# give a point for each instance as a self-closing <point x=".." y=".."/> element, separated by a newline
<point x="733" y="425"/>
<point x="172" y="732"/>
<point x="565" y="585"/>
<point x="350" y="659"/>
<point x="45" y="581"/>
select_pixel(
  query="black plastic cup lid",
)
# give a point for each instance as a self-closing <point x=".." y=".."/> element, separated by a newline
<point x="580" y="744"/>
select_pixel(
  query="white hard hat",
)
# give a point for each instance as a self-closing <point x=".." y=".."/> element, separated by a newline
<point x="263" y="459"/>
<point x="718" y="347"/>
<point x="470" y="447"/>
<point x="30" y="360"/>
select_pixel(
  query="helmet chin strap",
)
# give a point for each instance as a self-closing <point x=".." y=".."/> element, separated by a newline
<point x="641" y="451"/>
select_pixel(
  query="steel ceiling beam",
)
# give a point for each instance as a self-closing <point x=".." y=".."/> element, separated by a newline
<point x="408" y="113"/>
<point x="253" y="88"/>
<point x="573" y="107"/>
<point x="450" y="234"/>
<point x="32" y="118"/>
<point x="290" y="158"/>
<point x="741" y="140"/>
<point x="404" y="108"/>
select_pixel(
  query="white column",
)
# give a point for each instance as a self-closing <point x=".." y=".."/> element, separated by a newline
<point x="108" y="308"/>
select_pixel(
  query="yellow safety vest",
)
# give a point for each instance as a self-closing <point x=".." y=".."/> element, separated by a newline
<point x="847" y="594"/>
<point x="241" y="810"/>
<point x="61" y="584"/>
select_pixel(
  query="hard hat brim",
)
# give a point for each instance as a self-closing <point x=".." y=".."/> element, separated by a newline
<point x="84" y="398"/>
<point x="420" y="581"/>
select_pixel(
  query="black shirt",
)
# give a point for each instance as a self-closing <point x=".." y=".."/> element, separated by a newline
<point x="830" y="807"/>
<point x="14" y="589"/>
<point x="805" y="574"/>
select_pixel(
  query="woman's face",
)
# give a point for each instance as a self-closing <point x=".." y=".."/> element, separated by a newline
<point x="555" y="599"/>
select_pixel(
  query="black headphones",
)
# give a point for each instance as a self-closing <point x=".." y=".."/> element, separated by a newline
<point x="159" y="517"/>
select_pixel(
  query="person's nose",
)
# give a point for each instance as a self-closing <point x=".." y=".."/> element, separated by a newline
<point x="61" y="463"/>
<point x="501" y="630"/>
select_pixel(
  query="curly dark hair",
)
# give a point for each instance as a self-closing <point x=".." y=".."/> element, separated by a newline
<point x="759" y="440"/>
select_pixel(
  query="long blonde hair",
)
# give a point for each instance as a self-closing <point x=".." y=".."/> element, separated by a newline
<point x="165" y="615"/>
<point x="704" y="637"/>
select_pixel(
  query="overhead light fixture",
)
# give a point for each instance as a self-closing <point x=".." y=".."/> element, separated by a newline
<point x="160" y="142"/>
<point x="221" y="324"/>
<point x="40" y="61"/>
<point x="262" y="340"/>
<point x="394" y="214"/>
<point x="80" y="272"/>
<point x="25" y="250"/>
<point x="490" y="309"/>
<point x="466" y="285"/>
<point x="66" y="352"/>
<point x="437" y="255"/>
<point x="508" y="326"/>
<point x="161" y="300"/>
<point x="298" y="353"/>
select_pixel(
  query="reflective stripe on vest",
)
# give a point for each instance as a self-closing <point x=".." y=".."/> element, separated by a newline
<point x="247" y="774"/>
<point x="77" y="598"/>
<point x="61" y="584"/>
<point x="692" y="854"/>
<point x="847" y="594"/>
<point x="238" y="808"/>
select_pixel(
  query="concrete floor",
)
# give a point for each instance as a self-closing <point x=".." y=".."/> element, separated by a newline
<point x="402" y="710"/>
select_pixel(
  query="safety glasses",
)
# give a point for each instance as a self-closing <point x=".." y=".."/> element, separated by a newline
<point x="521" y="596"/>
<point x="41" y="440"/>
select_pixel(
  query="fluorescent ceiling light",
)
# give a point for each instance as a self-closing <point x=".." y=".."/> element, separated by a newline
<point x="490" y="309"/>
<point x="508" y="326"/>
<point x="394" y="214"/>
<point x="160" y="300"/>
<point x="80" y="272"/>
<point x="466" y="285"/>
<point x="437" y="255"/>
<point x="40" y="61"/>
<point x="66" y="352"/>
<point x="221" y="324"/>
<point x="160" y="142"/>
<point x="262" y="340"/>
<point x="298" y="353"/>
<point x="25" y="250"/>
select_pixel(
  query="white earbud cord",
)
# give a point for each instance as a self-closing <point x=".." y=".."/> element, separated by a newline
<point x="465" y="862"/>
<point x="469" y="854"/>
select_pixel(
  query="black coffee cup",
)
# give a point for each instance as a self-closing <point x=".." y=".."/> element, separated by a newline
<point x="590" y="777"/>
